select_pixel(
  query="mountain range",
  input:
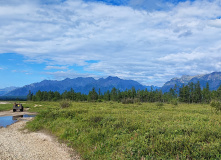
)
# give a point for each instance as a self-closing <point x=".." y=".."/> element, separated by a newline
<point x="84" y="85"/>
<point x="214" y="80"/>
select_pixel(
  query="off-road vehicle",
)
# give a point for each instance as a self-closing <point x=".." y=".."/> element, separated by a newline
<point x="17" y="107"/>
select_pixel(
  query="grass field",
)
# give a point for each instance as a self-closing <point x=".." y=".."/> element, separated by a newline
<point x="132" y="131"/>
<point x="5" y="107"/>
<point x="135" y="131"/>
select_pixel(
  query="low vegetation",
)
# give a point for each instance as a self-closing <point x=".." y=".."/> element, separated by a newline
<point x="111" y="130"/>
<point x="5" y="107"/>
<point x="216" y="105"/>
<point x="65" y="103"/>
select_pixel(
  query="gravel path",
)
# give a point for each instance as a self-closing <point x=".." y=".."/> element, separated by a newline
<point x="17" y="144"/>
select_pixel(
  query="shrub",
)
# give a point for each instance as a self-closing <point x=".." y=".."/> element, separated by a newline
<point x="174" y="102"/>
<point x="65" y="103"/>
<point x="99" y="100"/>
<point x="159" y="104"/>
<point x="216" y="105"/>
<point x="131" y="101"/>
<point x="137" y="100"/>
<point x="127" y="101"/>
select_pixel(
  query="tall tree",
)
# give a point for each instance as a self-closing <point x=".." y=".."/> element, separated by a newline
<point x="92" y="96"/>
<point x="197" y="93"/>
<point x="107" y="96"/>
<point x="113" y="94"/>
<point x="57" y="96"/>
<point x="39" y="96"/>
<point x="133" y="92"/>
<point x="206" y="94"/>
<point x="29" y="96"/>
<point x="184" y="94"/>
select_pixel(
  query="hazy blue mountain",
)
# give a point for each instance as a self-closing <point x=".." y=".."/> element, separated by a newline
<point x="83" y="85"/>
<point x="214" y="80"/>
<point x="6" y="90"/>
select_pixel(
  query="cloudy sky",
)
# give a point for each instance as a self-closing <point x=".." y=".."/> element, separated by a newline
<point x="150" y="41"/>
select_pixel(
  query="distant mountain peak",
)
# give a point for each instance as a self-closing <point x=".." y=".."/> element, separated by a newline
<point x="186" y="78"/>
<point x="214" y="80"/>
<point x="112" y="78"/>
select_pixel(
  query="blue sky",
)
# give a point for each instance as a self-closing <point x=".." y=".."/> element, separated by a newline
<point x="150" y="41"/>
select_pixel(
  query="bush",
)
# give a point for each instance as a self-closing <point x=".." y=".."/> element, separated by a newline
<point x="127" y="101"/>
<point x="159" y="104"/>
<point x="216" y="105"/>
<point x="137" y="101"/>
<point x="174" y="102"/>
<point x="65" y="103"/>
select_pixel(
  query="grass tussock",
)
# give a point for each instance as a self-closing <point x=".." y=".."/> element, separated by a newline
<point x="65" y="103"/>
<point x="132" y="131"/>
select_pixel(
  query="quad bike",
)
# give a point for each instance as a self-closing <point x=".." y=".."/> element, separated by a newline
<point x="17" y="107"/>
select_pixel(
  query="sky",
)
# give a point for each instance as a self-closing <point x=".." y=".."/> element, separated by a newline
<point x="149" y="41"/>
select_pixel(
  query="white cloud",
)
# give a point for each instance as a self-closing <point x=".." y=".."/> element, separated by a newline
<point x="60" y="75"/>
<point x="150" y="47"/>
<point x="56" y="67"/>
<point x="215" y="23"/>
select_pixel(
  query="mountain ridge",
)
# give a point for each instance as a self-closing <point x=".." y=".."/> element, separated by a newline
<point x="80" y="84"/>
<point x="84" y="85"/>
<point x="214" y="80"/>
<point x="7" y="90"/>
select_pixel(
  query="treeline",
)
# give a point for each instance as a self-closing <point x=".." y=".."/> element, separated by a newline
<point x="13" y="98"/>
<point x="191" y="93"/>
<point x="130" y="95"/>
<point x="56" y="96"/>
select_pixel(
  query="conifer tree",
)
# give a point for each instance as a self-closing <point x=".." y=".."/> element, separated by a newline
<point x="92" y="96"/>
<point x="206" y="94"/>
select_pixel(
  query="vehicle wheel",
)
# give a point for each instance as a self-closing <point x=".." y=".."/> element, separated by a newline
<point x="21" y="110"/>
<point x="14" y="110"/>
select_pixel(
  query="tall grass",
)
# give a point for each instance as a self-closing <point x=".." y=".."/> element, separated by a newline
<point x="131" y="131"/>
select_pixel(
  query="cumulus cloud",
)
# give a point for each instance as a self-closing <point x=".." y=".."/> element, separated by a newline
<point x="60" y="75"/>
<point x="148" y="46"/>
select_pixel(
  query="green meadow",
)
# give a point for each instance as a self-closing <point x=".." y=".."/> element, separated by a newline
<point x="111" y="130"/>
<point x="6" y="107"/>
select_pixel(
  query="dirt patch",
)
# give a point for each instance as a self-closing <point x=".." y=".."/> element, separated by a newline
<point x="16" y="144"/>
<point x="4" y="103"/>
<point x="11" y="113"/>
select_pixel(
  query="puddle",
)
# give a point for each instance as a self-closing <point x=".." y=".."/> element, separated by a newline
<point x="8" y="120"/>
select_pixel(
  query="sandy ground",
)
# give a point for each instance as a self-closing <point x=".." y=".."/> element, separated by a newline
<point x="17" y="143"/>
<point x="11" y="113"/>
<point x="4" y="103"/>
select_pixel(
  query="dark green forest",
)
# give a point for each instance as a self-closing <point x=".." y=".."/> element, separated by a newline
<point x="191" y="93"/>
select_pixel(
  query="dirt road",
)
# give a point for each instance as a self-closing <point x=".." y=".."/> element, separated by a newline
<point x="17" y="143"/>
<point x="11" y="113"/>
